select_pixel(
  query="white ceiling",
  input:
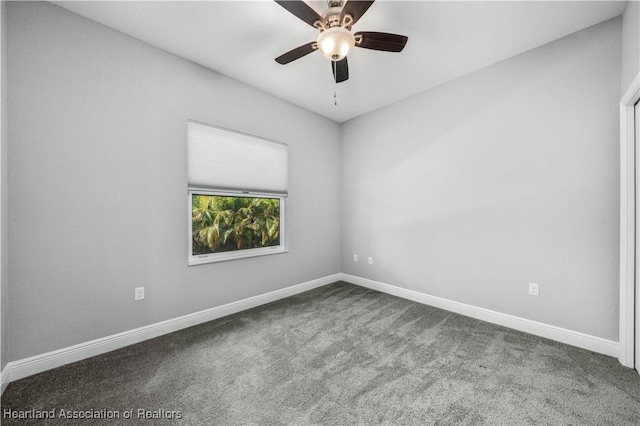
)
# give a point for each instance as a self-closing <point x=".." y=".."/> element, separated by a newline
<point x="447" y="39"/>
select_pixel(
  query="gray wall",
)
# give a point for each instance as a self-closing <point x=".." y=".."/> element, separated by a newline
<point x="4" y="284"/>
<point x="630" y="43"/>
<point x="97" y="201"/>
<point x="507" y="176"/>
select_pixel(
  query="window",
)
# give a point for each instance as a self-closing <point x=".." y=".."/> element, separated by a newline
<point x="236" y="194"/>
<point x="228" y="226"/>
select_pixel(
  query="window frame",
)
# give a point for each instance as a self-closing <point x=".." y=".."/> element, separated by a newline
<point x="235" y="254"/>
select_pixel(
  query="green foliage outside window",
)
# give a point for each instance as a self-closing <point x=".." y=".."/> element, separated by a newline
<point x="223" y="223"/>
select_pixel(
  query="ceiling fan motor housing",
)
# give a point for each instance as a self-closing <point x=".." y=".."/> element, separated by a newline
<point x="331" y="17"/>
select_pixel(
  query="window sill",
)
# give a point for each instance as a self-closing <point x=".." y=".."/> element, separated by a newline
<point x="226" y="256"/>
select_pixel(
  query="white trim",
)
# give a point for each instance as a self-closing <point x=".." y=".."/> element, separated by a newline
<point x="636" y="306"/>
<point x="33" y="365"/>
<point x="4" y="379"/>
<point x="3" y="95"/>
<point x="574" y="338"/>
<point x="39" y="363"/>
<point x="627" y="223"/>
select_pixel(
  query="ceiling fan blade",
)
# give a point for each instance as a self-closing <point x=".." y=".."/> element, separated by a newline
<point x="381" y="41"/>
<point x="297" y="53"/>
<point x="340" y="70"/>
<point x="301" y="10"/>
<point x="355" y="8"/>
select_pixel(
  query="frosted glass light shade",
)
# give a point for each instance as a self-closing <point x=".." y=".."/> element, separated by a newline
<point x="335" y="43"/>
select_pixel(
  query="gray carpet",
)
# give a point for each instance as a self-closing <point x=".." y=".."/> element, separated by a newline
<point x="338" y="355"/>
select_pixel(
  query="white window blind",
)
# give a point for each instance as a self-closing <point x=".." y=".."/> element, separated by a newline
<point x="224" y="159"/>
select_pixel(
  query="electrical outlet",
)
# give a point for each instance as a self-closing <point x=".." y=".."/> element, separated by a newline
<point x="370" y="260"/>
<point x="534" y="289"/>
<point x="139" y="294"/>
<point x="355" y="257"/>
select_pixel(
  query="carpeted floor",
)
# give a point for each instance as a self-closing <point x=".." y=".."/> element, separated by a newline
<point x="337" y="355"/>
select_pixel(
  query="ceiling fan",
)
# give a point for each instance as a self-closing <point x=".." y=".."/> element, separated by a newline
<point x="336" y="39"/>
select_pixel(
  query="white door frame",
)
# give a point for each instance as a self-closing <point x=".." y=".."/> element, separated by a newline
<point x="2" y="130"/>
<point x="628" y="235"/>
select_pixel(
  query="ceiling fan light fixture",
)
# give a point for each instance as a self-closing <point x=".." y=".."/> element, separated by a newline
<point x="335" y="43"/>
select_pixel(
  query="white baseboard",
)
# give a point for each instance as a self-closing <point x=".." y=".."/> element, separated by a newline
<point x="36" y="364"/>
<point x="26" y="367"/>
<point x="573" y="338"/>
<point x="4" y="379"/>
